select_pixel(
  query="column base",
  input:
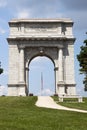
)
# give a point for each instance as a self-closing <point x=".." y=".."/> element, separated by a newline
<point x="61" y="88"/>
<point x="66" y="89"/>
<point x="16" y="90"/>
<point x="70" y="89"/>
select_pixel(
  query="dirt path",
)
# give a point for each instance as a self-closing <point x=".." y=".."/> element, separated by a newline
<point x="48" y="102"/>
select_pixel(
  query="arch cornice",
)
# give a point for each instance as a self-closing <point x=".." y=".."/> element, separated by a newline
<point x="46" y="38"/>
<point x="47" y="42"/>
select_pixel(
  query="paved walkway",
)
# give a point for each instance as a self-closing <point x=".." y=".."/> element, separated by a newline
<point x="48" y="102"/>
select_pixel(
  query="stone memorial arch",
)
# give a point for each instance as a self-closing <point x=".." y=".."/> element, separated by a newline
<point x="41" y="37"/>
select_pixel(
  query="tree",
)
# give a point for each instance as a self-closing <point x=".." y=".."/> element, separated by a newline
<point x="82" y="58"/>
<point x="1" y="70"/>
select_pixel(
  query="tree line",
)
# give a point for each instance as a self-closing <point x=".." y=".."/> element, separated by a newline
<point x="82" y="58"/>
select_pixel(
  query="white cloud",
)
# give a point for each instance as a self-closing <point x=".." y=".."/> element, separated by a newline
<point x="77" y="10"/>
<point x="5" y="73"/>
<point x="47" y="92"/>
<point x="40" y="63"/>
<point x="40" y="59"/>
<point x="23" y="14"/>
<point x="3" y="90"/>
<point x="2" y="31"/>
<point x="38" y="8"/>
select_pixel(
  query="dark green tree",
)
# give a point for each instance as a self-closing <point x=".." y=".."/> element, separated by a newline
<point x="1" y="70"/>
<point x="82" y="58"/>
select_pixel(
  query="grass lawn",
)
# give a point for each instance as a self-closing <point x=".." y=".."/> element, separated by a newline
<point x="20" y="113"/>
<point x="71" y="104"/>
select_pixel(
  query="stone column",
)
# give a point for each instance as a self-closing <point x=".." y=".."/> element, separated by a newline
<point x="56" y="79"/>
<point x="60" y="65"/>
<point x="27" y="81"/>
<point x="61" y="87"/>
<point x="21" y="76"/>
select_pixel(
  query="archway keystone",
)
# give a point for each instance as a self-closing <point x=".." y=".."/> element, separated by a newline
<point x="41" y="37"/>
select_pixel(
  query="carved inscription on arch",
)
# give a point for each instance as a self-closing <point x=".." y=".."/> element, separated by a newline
<point x="38" y="28"/>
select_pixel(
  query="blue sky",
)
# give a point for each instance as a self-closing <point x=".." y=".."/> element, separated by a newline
<point x="76" y="10"/>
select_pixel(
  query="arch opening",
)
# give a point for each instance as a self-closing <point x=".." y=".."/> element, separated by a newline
<point x="41" y="76"/>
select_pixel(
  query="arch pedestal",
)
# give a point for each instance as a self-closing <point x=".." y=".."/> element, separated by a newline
<point x="41" y="37"/>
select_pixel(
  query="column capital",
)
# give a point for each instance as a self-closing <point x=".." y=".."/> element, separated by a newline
<point x="21" y="46"/>
<point x="60" y="48"/>
<point x="56" y="68"/>
<point x="27" y="68"/>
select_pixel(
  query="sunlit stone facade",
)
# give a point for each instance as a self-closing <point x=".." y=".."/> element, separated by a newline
<point x="29" y="38"/>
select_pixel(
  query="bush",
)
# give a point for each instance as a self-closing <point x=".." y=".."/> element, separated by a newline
<point x="31" y="94"/>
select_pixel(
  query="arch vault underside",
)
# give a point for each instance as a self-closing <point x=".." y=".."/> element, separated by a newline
<point x="30" y="38"/>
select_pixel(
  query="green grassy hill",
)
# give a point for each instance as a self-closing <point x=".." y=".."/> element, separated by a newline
<point x="20" y="113"/>
<point x="72" y="103"/>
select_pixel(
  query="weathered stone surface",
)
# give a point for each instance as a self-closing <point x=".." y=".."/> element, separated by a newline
<point x="41" y="37"/>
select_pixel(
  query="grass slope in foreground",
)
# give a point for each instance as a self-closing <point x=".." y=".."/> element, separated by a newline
<point x="20" y="113"/>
